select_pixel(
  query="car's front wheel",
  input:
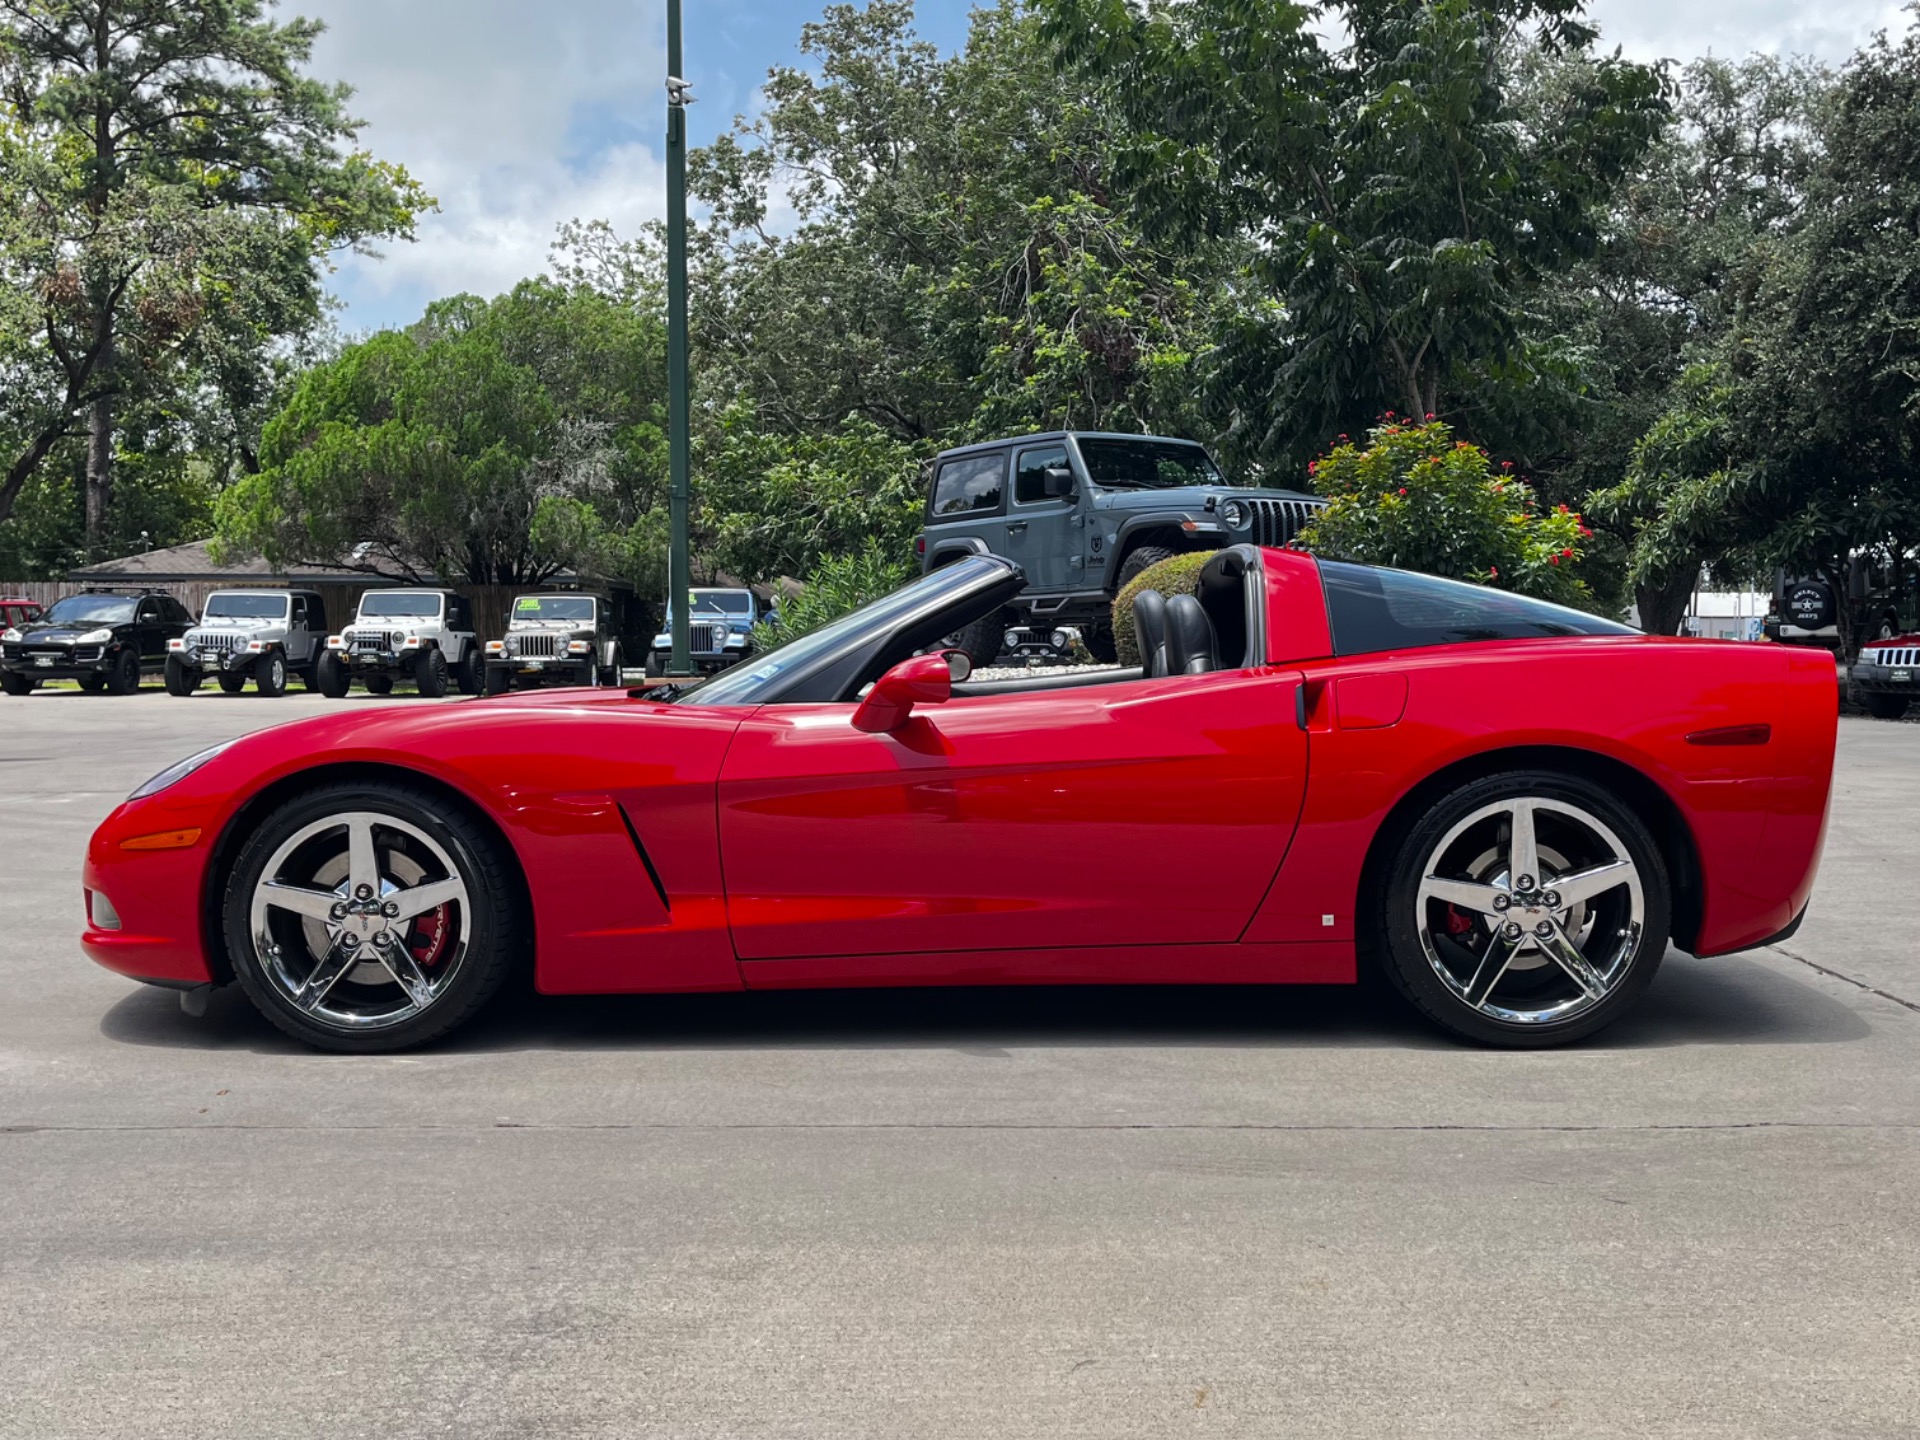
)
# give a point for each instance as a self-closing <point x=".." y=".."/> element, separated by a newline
<point x="430" y="673"/>
<point x="1525" y="909"/>
<point x="270" y="675"/>
<point x="123" y="675"/>
<point x="1883" y="707"/>
<point x="15" y="683"/>
<point x="365" y="919"/>
<point x="182" y="678"/>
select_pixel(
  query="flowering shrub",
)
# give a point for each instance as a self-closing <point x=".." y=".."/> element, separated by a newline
<point x="1418" y="499"/>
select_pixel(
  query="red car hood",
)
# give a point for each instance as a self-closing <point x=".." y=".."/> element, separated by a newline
<point x="1898" y="642"/>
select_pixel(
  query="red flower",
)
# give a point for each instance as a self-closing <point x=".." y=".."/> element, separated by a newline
<point x="1506" y="464"/>
<point x="1429" y="414"/>
<point x="1586" y="532"/>
<point x="1313" y="467"/>
<point x="1343" y="437"/>
<point x="1493" y="571"/>
<point x="1403" y="489"/>
<point x="1567" y="554"/>
<point x="1387" y="416"/>
<point x="1553" y="559"/>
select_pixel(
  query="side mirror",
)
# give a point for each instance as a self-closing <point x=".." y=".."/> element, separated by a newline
<point x="923" y="680"/>
<point x="1056" y="483"/>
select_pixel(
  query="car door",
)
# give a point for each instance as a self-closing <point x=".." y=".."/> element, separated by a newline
<point x="1142" y="813"/>
<point x="150" y="632"/>
<point x="300" y="633"/>
<point x="969" y="503"/>
<point x="1043" y="531"/>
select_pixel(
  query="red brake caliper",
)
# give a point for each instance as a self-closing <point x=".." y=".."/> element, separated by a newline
<point x="1458" y="924"/>
<point x="427" y="940"/>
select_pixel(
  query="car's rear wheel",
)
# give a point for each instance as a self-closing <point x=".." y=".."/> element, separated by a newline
<point x="232" y="684"/>
<point x="182" y="678"/>
<point x="1883" y="707"/>
<point x="983" y="640"/>
<point x="366" y="919"/>
<point x="1525" y="909"/>
<point x="499" y="680"/>
<point x="471" y="672"/>
<point x="616" y="670"/>
<point x="123" y="675"/>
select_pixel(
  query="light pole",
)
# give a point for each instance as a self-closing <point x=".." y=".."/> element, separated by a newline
<point x="679" y="561"/>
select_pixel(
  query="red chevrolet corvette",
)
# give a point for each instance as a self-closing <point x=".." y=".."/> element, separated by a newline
<point x="1510" y="807"/>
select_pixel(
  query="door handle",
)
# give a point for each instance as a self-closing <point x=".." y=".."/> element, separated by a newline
<point x="1018" y="527"/>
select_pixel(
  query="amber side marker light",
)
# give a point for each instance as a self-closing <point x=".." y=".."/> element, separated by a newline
<point x="165" y="840"/>
<point x="1733" y="735"/>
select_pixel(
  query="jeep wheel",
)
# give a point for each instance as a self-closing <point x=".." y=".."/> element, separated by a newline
<point x="1883" y="707"/>
<point x="1097" y="636"/>
<point x="232" y="684"/>
<point x="270" y="675"/>
<point x="123" y="677"/>
<point x="1145" y="558"/>
<point x="471" y="673"/>
<point x="379" y="684"/>
<point x="182" y="679"/>
<point x="330" y="676"/>
<point x="655" y="666"/>
<point x="983" y="640"/>
<point x="15" y="684"/>
<point x="616" y="670"/>
<point x="430" y="673"/>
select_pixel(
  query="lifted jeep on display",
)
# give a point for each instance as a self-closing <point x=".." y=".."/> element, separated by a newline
<point x="563" y="639"/>
<point x="261" y="635"/>
<point x="425" y="636"/>
<point x="1082" y="514"/>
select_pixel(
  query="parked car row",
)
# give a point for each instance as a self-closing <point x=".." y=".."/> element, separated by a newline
<point x="108" y="640"/>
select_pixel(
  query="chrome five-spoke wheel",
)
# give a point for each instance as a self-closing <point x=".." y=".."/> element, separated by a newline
<point x="1527" y="909"/>
<point x="362" y="919"/>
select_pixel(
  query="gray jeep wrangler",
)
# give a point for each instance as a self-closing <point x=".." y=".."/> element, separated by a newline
<point x="262" y="635"/>
<point x="1083" y="513"/>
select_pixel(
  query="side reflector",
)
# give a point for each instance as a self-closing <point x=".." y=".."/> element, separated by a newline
<point x="165" y="840"/>
<point x="100" y="910"/>
<point x="1733" y="735"/>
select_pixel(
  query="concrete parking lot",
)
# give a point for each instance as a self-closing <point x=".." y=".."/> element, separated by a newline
<point x="1063" y="1213"/>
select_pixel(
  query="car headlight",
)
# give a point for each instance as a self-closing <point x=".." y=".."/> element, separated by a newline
<point x="12" y="636"/>
<point x="1236" y="514"/>
<point x="177" y="772"/>
<point x="95" y="637"/>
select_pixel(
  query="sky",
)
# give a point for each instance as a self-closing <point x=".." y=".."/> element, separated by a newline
<point x="518" y="115"/>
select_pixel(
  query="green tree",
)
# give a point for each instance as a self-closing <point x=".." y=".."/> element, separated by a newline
<point x="171" y="180"/>
<point x="1416" y="498"/>
<point x="495" y="442"/>
<point x="1399" y="204"/>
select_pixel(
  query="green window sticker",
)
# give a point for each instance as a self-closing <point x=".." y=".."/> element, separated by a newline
<point x="528" y="602"/>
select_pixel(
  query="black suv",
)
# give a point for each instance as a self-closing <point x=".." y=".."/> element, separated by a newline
<point x="105" y="639"/>
<point x="1082" y="513"/>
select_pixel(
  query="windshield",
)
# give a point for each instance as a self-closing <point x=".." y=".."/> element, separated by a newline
<point x="375" y="606"/>
<point x="245" y="607"/>
<point x="1148" y="464"/>
<point x="720" y="602"/>
<point x="744" y="684"/>
<point x="575" y="609"/>
<point x="105" y="609"/>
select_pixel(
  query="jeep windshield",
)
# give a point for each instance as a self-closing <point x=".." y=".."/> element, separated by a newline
<point x="375" y="606"/>
<point x="720" y="602"/>
<point x="81" y="609"/>
<point x="1148" y="464"/>
<point x="571" y="609"/>
<point x="245" y="607"/>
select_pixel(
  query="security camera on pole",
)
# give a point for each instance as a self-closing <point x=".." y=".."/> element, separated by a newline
<point x="679" y="560"/>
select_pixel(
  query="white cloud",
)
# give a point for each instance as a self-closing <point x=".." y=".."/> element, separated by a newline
<point x="1684" y="29"/>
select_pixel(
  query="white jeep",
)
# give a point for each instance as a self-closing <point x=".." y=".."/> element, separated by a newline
<point x="262" y="635"/>
<point x="425" y="636"/>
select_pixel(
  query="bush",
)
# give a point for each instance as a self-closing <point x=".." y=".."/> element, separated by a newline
<point x="838" y="585"/>
<point x="1418" y="499"/>
<point x="1176" y="575"/>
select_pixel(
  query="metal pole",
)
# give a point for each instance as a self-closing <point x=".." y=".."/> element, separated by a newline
<point x="679" y="560"/>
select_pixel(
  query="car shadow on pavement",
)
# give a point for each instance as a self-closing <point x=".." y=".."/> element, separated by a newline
<point x="1734" y="1001"/>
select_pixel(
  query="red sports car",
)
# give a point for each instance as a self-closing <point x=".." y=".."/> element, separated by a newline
<point x="1510" y="807"/>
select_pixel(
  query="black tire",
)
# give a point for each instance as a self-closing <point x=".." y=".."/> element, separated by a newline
<point x="615" y="672"/>
<point x="379" y="684"/>
<point x="430" y="673"/>
<point x="655" y="666"/>
<point x="270" y="675"/>
<point x="499" y="680"/>
<point x="331" y="676"/>
<point x="1097" y="636"/>
<point x="495" y="937"/>
<point x="94" y="684"/>
<point x="182" y="678"/>
<point x="983" y="640"/>
<point x="14" y="683"/>
<point x="1145" y="558"/>
<point x="1884" y="707"/>
<point x="231" y="684"/>
<point x="1395" y="936"/>
<point x="123" y="676"/>
<point x="471" y="673"/>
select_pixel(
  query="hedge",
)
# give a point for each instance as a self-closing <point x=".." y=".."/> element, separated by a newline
<point x="1176" y="575"/>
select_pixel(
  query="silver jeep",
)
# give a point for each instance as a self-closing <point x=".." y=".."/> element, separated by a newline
<point x="259" y="635"/>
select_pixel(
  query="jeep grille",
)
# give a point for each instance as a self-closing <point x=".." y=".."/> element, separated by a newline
<point x="1276" y="522"/>
<point x="221" y="643"/>
<point x="706" y="639"/>
<point x="1887" y="656"/>
<point x="542" y="647"/>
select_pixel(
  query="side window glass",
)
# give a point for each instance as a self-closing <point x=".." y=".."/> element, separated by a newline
<point x="1030" y="477"/>
<point x="299" y="611"/>
<point x="149" y="612"/>
<point x="976" y="482"/>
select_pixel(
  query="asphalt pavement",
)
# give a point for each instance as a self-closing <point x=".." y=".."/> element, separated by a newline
<point x="1098" y="1213"/>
